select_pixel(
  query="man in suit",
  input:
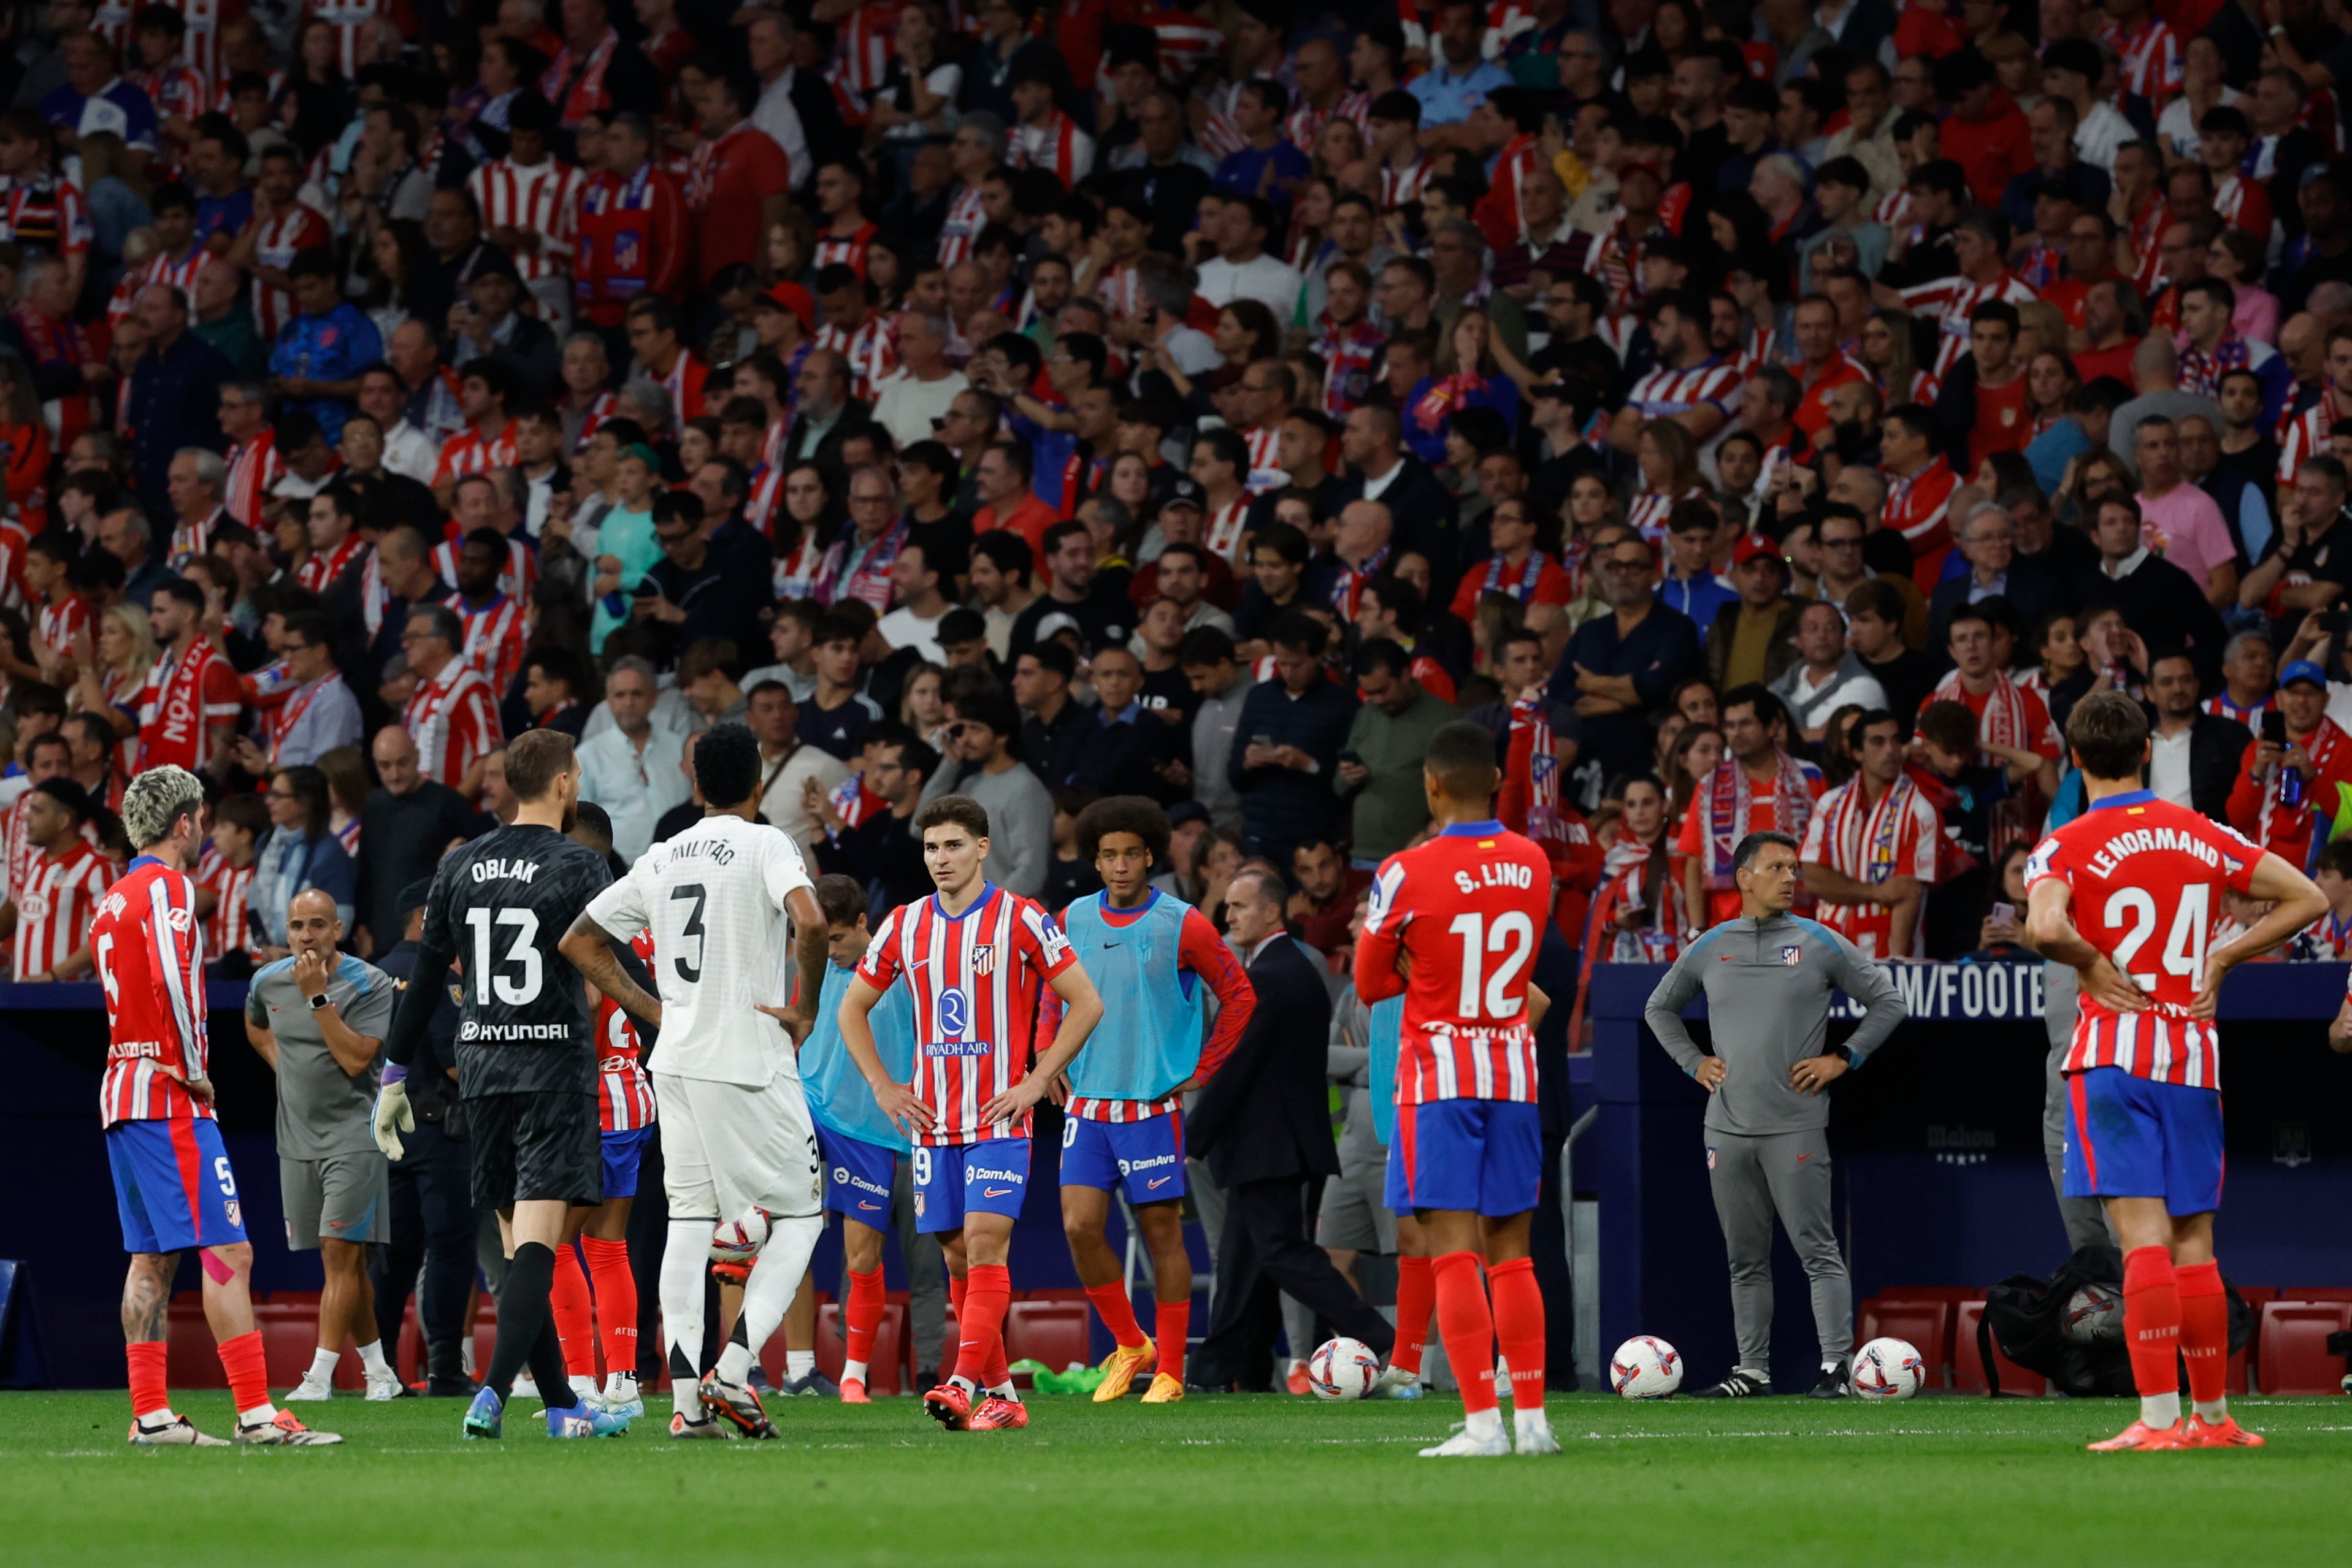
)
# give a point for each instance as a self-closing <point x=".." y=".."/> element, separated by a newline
<point x="826" y="413"/>
<point x="1989" y="541"/>
<point x="2193" y="755"/>
<point x="1381" y="469"/>
<point x="1264" y="1125"/>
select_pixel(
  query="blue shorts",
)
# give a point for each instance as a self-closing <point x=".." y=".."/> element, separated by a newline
<point x="2134" y="1137"/>
<point x="857" y="1178"/>
<point x="952" y="1180"/>
<point x="623" y="1152"/>
<point x="1146" y="1156"/>
<point x="1481" y="1157"/>
<point x="173" y="1187"/>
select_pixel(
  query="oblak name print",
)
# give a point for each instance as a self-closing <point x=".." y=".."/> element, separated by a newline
<point x="504" y="871"/>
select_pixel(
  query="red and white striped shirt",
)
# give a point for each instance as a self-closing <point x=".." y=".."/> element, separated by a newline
<point x="2149" y="60"/>
<point x="319" y="573"/>
<point x="1306" y="122"/>
<point x="149" y="950"/>
<point x="1870" y="841"/>
<point x="1399" y="186"/>
<point x="520" y="576"/>
<point x="351" y="20"/>
<point x="1226" y="527"/>
<point x="2304" y="437"/>
<point x="199" y="47"/>
<point x="624" y="1094"/>
<point x="254" y="467"/>
<point x="1949" y="300"/>
<point x="862" y="45"/>
<point x="541" y="198"/>
<point x="871" y="351"/>
<point x="845" y="250"/>
<point x="1919" y="509"/>
<point x="283" y="237"/>
<point x="190" y="541"/>
<point x="55" y="906"/>
<point x="1058" y="146"/>
<point x="967" y="216"/>
<point x="61" y="622"/>
<point x="2147" y="878"/>
<point x="454" y="719"/>
<point x="1664" y="393"/>
<point x="975" y="978"/>
<point x="470" y="451"/>
<point x="494" y="636"/>
<point x="45" y="213"/>
<point x="2221" y="706"/>
<point x="1265" y="471"/>
<point x="232" y="887"/>
<point x="157" y="268"/>
<point x="1469" y="907"/>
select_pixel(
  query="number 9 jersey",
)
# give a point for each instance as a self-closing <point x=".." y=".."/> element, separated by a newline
<point x="2147" y="877"/>
<point x="1468" y="908"/>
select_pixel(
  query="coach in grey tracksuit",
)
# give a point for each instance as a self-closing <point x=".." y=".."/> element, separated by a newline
<point x="1767" y="976"/>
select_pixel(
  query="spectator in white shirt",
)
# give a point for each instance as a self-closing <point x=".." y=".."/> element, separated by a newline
<point x="1241" y="269"/>
<point x="634" y="770"/>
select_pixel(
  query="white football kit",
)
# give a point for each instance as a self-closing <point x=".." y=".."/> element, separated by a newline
<point x="735" y="1128"/>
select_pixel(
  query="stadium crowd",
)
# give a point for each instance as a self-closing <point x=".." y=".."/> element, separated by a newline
<point x="1757" y="416"/>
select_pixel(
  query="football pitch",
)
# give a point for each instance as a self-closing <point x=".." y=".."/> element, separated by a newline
<point x="1231" y="1478"/>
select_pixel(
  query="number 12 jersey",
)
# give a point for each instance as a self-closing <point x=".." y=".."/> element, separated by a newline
<point x="1469" y="908"/>
<point x="499" y="905"/>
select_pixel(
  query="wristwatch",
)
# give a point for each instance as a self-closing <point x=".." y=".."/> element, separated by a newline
<point x="321" y="1002"/>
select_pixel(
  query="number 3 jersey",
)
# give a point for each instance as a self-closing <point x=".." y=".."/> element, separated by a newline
<point x="2147" y="877"/>
<point x="1468" y="906"/>
<point x="714" y="899"/>
<point x="975" y="977"/>
<point x="501" y="904"/>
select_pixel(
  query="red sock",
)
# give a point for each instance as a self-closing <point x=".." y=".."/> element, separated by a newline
<point x="2204" y="1330"/>
<point x="1116" y="1312"/>
<point x="1175" y="1327"/>
<point x="149" y="1389"/>
<point x="1519" y="1328"/>
<point x="1467" y="1327"/>
<point x="616" y="1302"/>
<point x="248" y="1372"/>
<point x="864" y="1314"/>
<point x="1417" y="1294"/>
<point x="988" y="1291"/>
<point x="952" y="1355"/>
<point x="575" y="1317"/>
<point x="2152" y="1319"/>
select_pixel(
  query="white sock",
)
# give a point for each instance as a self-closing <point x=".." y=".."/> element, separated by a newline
<point x="966" y="1384"/>
<point x="2159" y="1410"/>
<point x="686" y="1256"/>
<point x="853" y="1371"/>
<point x="621" y="1385"/>
<point x="1482" y="1424"/>
<point x="1005" y="1390"/>
<point x="371" y="1360"/>
<point x="1530" y="1422"/>
<point x="162" y="1416"/>
<point x="322" y="1366"/>
<point x="775" y="1279"/>
<point x="799" y="1363"/>
<point x="465" y="1355"/>
<point x="2212" y="1412"/>
<point x="264" y="1411"/>
<point x="582" y="1384"/>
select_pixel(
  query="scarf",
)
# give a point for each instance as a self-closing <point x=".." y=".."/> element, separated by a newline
<point x="1348" y="589"/>
<point x="1728" y="795"/>
<point x="2005" y="720"/>
<point x="1865" y="837"/>
<point x="1444" y="396"/>
<point x="1530" y="573"/>
<point x="2201" y="372"/>
<point x="1530" y="795"/>
<point x="578" y="89"/>
<point x="870" y="580"/>
<point x="173" y="729"/>
<point x="855" y="803"/>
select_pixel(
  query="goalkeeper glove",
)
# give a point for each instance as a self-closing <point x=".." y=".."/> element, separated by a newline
<point x="392" y="1116"/>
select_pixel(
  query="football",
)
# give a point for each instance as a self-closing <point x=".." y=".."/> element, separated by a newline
<point x="1342" y="1369"/>
<point x="739" y="1241"/>
<point x="2095" y="1312"/>
<point x="1888" y="1369"/>
<point x="1646" y="1367"/>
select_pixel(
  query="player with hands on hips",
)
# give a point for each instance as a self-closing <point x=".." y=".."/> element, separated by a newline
<point x="972" y="955"/>
<point x="2126" y="894"/>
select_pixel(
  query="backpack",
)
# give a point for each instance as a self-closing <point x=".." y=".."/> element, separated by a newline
<point x="2077" y="1345"/>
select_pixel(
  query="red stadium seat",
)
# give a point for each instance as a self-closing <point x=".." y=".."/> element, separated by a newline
<point x="883" y="1367"/>
<point x="2313" y="1293"/>
<point x="2245" y="1365"/>
<point x="1968" y="1368"/>
<point x="2294" y="1356"/>
<point x="189" y="1358"/>
<point x="1056" y="1333"/>
<point x="1925" y="1322"/>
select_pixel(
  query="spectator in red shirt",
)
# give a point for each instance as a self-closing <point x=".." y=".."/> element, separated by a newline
<point x="634" y="236"/>
<point x="740" y="182"/>
<point x="1004" y="478"/>
<point x="1985" y="134"/>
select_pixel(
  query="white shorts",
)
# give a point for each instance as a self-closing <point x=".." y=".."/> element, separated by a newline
<point x="728" y="1149"/>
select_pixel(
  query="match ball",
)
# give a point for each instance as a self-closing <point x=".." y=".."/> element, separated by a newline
<point x="738" y="1241"/>
<point x="1646" y="1367"/>
<point x="2095" y="1312"/>
<point x="1888" y="1369"/>
<point x="1342" y="1369"/>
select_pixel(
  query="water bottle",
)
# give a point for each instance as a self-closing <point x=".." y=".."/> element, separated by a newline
<point x="2290" y="786"/>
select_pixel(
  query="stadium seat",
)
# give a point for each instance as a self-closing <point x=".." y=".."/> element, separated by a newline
<point x="1968" y="1368"/>
<point x="1056" y="1333"/>
<point x="190" y="1359"/>
<point x="2293" y="1357"/>
<point x="2245" y="1365"/>
<point x="1925" y="1321"/>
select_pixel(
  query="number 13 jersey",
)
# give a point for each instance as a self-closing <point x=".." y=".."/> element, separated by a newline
<point x="1469" y="908"/>
<point x="501" y="904"/>
<point x="2147" y="877"/>
<point x="714" y="899"/>
<point x="975" y="978"/>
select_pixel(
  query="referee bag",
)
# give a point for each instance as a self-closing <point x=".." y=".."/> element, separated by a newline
<point x="2070" y="1327"/>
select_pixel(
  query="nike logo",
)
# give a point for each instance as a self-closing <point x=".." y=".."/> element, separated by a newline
<point x="1156" y="1186"/>
<point x="1111" y="945"/>
<point x="868" y="1206"/>
<point x="995" y="1191"/>
<point x="1802" y="1158"/>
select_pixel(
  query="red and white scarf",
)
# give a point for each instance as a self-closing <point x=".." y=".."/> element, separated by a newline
<point x="1531" y="720"/>
<point x="2006" y="720"/>
<point x="1865" y="838"/>
<point x="1728" y="795"/>
<point x="578" y="90"/>
<point x="1522" y="588"/>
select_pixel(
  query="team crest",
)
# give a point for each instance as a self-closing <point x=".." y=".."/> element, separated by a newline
<point x="458" y="995"/>
<point x="1710" y="1156"/>
<point x="1788" y="956"/>
<point x="983" y="960"/>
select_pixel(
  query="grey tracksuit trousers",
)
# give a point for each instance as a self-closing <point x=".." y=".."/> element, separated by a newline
<point x="2086" y="1219"/>
<point x="1785" y="1174"/>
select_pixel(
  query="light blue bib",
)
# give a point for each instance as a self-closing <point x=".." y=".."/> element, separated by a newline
<point x="1386" y="1029"/>
<point x="837" y="1095"/>
<point x="1149" y="1038"/>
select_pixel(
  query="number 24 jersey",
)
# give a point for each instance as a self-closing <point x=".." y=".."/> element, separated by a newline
<point x="1468" y="906"/>
<point x="2147" y="877"/>
<point x="501" y="904"/>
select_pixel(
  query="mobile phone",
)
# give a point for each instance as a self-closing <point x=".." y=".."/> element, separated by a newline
<point x="2274" y="727"/>
<point x="2005" y="913"/>
<point x="1265" y="740"/>
<point x="1350" y="756"/>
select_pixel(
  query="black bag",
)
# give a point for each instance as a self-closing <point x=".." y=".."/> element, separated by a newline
<point x="2027" y="1317"/>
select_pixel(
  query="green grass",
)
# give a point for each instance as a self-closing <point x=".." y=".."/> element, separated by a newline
<point x="1258" y="1478"/>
